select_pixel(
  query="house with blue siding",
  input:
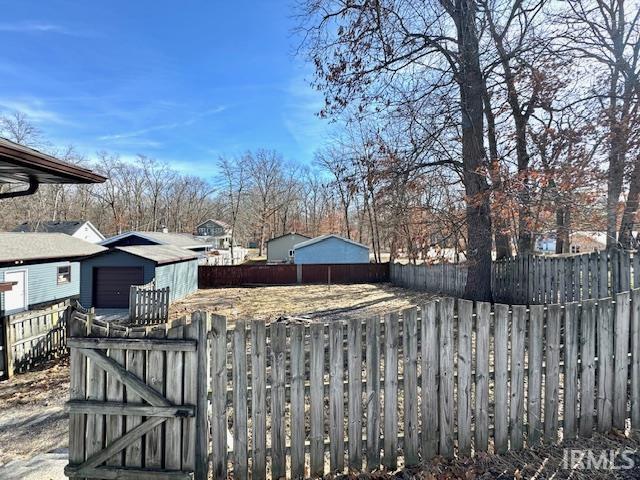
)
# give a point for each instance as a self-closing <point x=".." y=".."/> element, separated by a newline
<point x="330" y="249"/>
<point x="106" y="278"/>
<point x="40" y="269"/>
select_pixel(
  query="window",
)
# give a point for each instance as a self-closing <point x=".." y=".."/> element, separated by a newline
<point x="64" y="274"/>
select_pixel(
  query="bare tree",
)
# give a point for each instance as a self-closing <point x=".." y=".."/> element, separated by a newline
<point x="234" y="178"/>
<point x="606" y="35"/>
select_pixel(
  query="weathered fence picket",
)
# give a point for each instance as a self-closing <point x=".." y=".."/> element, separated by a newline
<point x="390" y="448"/>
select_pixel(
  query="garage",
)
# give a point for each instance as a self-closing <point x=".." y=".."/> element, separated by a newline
<point x="106" y="278"/>
<point x="112" y="284"/>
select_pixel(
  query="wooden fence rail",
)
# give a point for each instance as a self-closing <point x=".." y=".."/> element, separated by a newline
<point x="533" y="279"/>
<point x="292" y="399"/>
<point x="148" y="305"/>
<point x="32" y="337"/>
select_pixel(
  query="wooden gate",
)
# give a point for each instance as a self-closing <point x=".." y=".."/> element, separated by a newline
<point x="148" y="304"/>
<point x="136" y="408"/>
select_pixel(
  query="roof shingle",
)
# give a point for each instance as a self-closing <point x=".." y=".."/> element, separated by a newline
<point x="19" y="246"/>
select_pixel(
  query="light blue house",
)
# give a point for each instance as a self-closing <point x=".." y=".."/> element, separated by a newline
<point x="41" y="268"/>
<point x="330" y="249"/>
<point x="106" y="278"/>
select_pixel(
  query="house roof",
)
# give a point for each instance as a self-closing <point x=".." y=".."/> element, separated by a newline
<point x="224" y="225"/>
<point x="160" y="254"/>
<point x="19" y="163"/>
<point x="54" y="226"/>
<point x="22" y="247"/>
<point x="322" y="238"/>
<point x="286" y="235"/>
<point x="183" y="240"/>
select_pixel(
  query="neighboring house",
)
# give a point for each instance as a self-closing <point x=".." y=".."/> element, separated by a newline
<point x="280" y="249"/>
<point x="217" y="232"/>
<point x="182" y="240"/>
<point x="82" y="229"/>
<point x="545" y="243"/>
<point x="330" y="249"/>
<point x="43" y="268"/>
<point x="579" y="242"/>
<point x="587" y="242"/>
<point x="106" y="277"/>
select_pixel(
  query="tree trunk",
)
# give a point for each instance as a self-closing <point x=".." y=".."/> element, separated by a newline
<point x="478" y="210"/>
<point x="625" y="237"/>
<point x="501" y="225"/>
<point x="615" y="177"/>
<point x="563" y="224"/>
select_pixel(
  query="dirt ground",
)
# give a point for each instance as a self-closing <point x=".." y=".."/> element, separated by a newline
<point x="32" y="416"/>
<point x="312" y="301"/>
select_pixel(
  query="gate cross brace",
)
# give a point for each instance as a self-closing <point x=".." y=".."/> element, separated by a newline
<point x="117" y="446"/>
<point x="129" y="379"/>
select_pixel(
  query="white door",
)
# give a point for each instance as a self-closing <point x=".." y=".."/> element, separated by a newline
<point x="15" y="300"/>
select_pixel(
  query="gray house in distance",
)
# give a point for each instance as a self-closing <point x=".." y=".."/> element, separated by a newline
<point x="280" y="249"/>
<point x="107" y="277"/>
<point x="42" y="268"/>
<point x="217" y="232"/>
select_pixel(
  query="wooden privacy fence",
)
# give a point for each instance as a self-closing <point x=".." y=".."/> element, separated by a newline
<point x="547" y="279"/>
<point x="443" y="278"/>
<point x="218" y="276"/>
<point x="449" y="377"/>
<point x="303" y="399"/>
<point x="533" y="279"/>
<point x="32" y="337"/>
<point x="138" y="399"/>
<point x="148" y="305"/>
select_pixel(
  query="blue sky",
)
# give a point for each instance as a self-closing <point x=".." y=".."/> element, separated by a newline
<point x="183" y="82"/>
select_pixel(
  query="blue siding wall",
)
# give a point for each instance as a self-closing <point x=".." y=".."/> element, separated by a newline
<point x="42" y="282"/>
<point x="331" y="250"/>
<point x="181" y="278"/>
<point x="115" y="258"/>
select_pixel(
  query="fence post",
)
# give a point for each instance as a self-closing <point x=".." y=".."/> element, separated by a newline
<point x="8" y="346"/>
<point x="219" y="396"/>
<point x="202" y="322"/>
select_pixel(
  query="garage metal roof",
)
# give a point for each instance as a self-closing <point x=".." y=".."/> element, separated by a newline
<point x="18" y="247"/>
<point x="183" y="240"/>
<point x="160" y="254"/>
<point x="21" y="164"/>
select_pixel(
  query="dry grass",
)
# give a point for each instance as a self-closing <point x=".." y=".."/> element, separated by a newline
<point x="312" y="301"/>
<point x="32" y="417"/>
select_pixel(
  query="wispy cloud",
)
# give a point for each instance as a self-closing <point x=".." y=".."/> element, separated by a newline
<point x="161" y="127"/>
<point x="35" y="27"/>
<point x="34" y="108"/>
